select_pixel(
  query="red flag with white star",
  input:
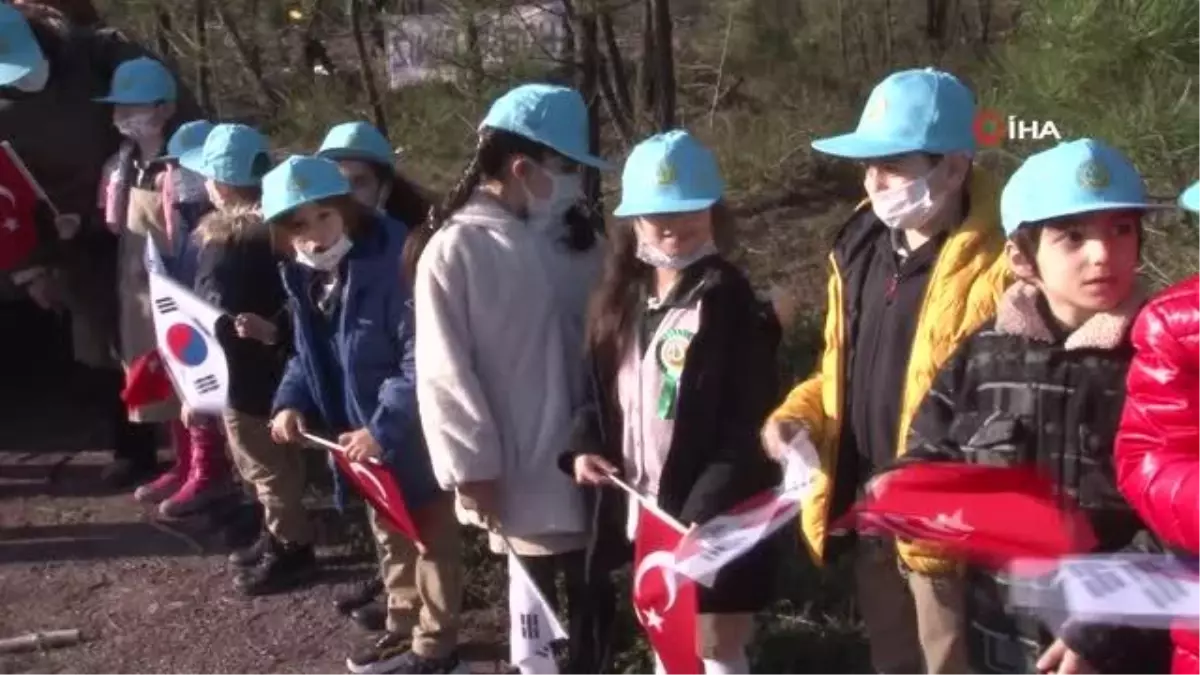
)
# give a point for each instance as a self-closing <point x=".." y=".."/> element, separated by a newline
<point x="147" y="382"/>
<point x="19" y="195"/>
<point x="664" y="600"/>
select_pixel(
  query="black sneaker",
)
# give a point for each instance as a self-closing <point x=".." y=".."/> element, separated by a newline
<point x="359" y="596"/>
<point x="371" y="617"/>
<point x="253" y="554"/>
<point x="390" y="654"/>
<point x="282" y="568"/>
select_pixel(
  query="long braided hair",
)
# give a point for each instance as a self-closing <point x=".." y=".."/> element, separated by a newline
<point x="493" y="151"/>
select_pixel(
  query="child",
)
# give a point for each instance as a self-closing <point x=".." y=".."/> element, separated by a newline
<point x="1157" y="467"/>
<point x="1040" y="385"/>
<point x="143" y="96"/>
<point x="501" y="297"/>
<point x="672" y="314"/>
<point x="237" y="272"/>
<point x="352" y="374"/>
<point x="184" y="201"/>
<point x="366" y="160"/>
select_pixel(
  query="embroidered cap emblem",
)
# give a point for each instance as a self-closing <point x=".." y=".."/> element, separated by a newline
<point x="1093" y="175"/>
<point x="876" y="109"/>
<point x="666" y="173"/>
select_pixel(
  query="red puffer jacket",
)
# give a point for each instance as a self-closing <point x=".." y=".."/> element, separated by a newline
<point x="1158" y="445"/>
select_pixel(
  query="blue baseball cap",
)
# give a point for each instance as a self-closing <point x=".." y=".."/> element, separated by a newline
<point x="357" y="140"/>
<point x="188" y="137"/>
<point x="919" y="110"/>
<point x="19" y="50"/>
<point x="1190" y="199"/>
<point x="670" y="172"/>
<point x="230" y="155"/>
<point x="548" y="114"/>
<point x="1082" y="176"/>
<point x="298" y="181"/>
<point x="141" y="81"/>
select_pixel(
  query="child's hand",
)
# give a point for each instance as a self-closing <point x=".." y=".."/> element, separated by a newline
<point x="481" y="497"/>
<point x="593" y="470"/>
<point x="255" y="327"/>
<point x="360" y="445"/>
<point x="776" y="437"/>
<point x="1060" y="659"/>
<point x="67" y="225"/>
<point x="286" y="426"/>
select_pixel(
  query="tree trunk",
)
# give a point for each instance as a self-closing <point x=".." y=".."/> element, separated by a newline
<point x="203" y="72"/>
<point x="587" y="48"/>
<point x="266" y="94"/>
<point x="162" y="32"/>
<point x="255" y="52"/>
<point x="887" y="34"/>
<point x="985" y="21"/>
<point x="364" y="65"/>
<point x="664" y="73"/>
<point x="842" y="46"/>
<point x="616" y="66"/>
<point x="646" y="71"/>
<point x="863" y="50"/>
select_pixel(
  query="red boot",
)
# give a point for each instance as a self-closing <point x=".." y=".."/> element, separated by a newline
<point x="169" y="483"/>
<point x="209" y="478"/>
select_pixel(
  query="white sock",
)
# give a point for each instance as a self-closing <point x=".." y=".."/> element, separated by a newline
<point x="738" y="666"/>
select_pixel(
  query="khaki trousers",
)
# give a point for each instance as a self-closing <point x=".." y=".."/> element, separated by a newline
<point x="724" y="637"/>
<point x="915" y="623"/>
<point x="275" y="471"/>
<point x="429" y="584"/>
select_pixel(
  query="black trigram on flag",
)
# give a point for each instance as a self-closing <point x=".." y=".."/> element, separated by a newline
<point x="165" y="305"/>
<point x="530" y="627"/>
<point x="207" y="384"/>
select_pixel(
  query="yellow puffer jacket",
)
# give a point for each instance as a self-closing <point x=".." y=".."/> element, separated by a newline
<point x="965" y="286"/>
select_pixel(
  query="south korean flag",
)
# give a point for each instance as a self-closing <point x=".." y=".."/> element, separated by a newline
<point x="185" y="328"/>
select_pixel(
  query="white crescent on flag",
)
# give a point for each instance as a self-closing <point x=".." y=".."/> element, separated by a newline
<point x="659" y="560"/>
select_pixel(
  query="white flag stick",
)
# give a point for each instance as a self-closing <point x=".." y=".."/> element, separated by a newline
<point x="330" y="445"/>
<point x="37" y="187"/>
<point x="648" y="504"/>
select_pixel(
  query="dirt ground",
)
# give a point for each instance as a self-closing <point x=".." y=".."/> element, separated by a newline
<point x="150" y="597"/>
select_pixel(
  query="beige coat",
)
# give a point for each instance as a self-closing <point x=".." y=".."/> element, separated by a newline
<point x="133" y="287"/>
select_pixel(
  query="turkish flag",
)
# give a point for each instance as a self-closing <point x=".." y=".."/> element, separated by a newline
<point x="663" y="599"/>
<point x="376" y="485"/>
<point x="146" y="381"/>
<point x="989" y="515"/>
<point x="18" y="204"/>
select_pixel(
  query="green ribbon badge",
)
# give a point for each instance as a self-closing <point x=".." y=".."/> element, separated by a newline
<point x="672" y="351"/>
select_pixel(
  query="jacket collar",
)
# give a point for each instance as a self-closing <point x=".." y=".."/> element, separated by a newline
<point x="1020" y="313"/>
<point x="483" y="210"/>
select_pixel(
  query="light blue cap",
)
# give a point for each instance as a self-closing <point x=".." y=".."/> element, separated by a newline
<point x="548" y="114"/>
<point x="1082" y="176"/>
<point x="300" y="180"/>
<point x="670" y="172"/>
<point x="919" y="110"/>
<point x="1190" y="199"/>
<point x="19" y="50"/>
<point x="357" y="140"/>
<point x="141" y="81"/>
<point x="229" y="155"/>
<point x="188" y="137"/>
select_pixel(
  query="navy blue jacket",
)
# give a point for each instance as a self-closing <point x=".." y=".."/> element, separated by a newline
<point x="374" y="341"/>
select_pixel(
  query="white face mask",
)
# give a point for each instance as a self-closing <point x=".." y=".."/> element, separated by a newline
<point x="565" y="191"/>
<point x="36" y="79"/>
<point x="907" y="207"/>
<point x="656" y="257"/>
<point x="328" y="259"/>
<point x="139" y="126"/>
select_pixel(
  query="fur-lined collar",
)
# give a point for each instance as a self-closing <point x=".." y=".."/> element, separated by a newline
<point x="1019" y="314"/>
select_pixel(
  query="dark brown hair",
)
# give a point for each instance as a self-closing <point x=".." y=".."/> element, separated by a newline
<point x="492" y="154"/>
<point x="356" y="218"/>
<point x="613" y="306"/>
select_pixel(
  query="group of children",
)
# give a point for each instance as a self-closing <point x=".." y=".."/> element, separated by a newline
<point x="496" y="353"/>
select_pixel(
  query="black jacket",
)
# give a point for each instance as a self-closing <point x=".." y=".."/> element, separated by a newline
<point x="727" y="388"/>
<point x="1019" y="393"/>
<point x="241" y="274"/>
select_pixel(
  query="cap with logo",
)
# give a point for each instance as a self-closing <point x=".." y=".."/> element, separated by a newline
<point x="919" y="110"/>
<point x="300" y="180"/>
<point x="19" y="50"/>
<point x="671" y="172"/>
<point x="1082" y="176"/>
<point x="357" y="140"/>
<point x="230" y="154"/>
<point x="1190" y="199"/>
<point x="188" y="137"/>
<point x="141" y="81"/>
<point x="553" y="116"/>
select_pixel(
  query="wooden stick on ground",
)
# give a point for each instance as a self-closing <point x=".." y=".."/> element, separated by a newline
<point x="44" y="640"/>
